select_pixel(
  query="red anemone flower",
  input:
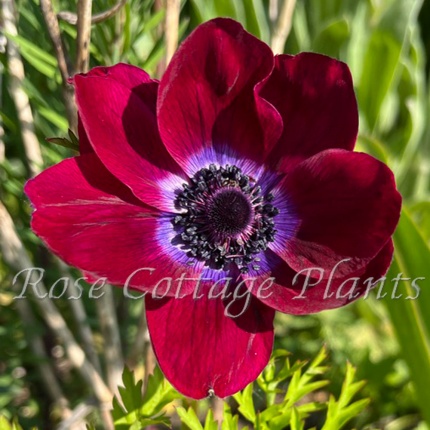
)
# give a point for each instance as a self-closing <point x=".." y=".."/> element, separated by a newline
<point x="226" y="191"/>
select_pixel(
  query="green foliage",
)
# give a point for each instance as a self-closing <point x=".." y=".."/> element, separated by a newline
<point x="7" y="425"/>
<point x="301" y="383"/>
<point x="134" y="410"/>
<point x="290" y="398"/>
<point x="251" y="13"/>
<point x="290" y="406"/>
<point x="298" y="400"/>
<point x="230" y="421"/>
<point x="41" y="60"/>
<point x="341" y="411"/>
<point x="190" y="419"/>
<point x="71" y="143"/>
<point x="411" y="317"/>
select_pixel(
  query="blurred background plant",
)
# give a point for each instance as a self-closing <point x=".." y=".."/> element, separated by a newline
<point x="61" y="360"/>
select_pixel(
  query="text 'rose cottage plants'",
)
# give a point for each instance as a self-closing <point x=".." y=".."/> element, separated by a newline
<point x="230" y="189"/>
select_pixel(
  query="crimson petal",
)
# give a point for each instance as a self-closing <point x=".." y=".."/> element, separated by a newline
<point x="131" y="77"/>
<point x="207" y="100"/>
<point x="314" y="95"/>
<point x="117" y="109"/>
<point x="285" y="290"/>
<point x="347" y="206"/>
<point x="201" y="350"/>
<point x="92" y="221"/>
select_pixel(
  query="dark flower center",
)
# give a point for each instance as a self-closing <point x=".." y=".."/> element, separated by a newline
<point x="229" y="212"/>
<point x="226" y="219"/>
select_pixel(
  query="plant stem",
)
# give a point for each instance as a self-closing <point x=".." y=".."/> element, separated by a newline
<point x="283" y="26"/>
<point x="20" y="98"/>
<point x="84" y="36"/>
<point x="64" y="63"/>
<point x="72" y="18"/>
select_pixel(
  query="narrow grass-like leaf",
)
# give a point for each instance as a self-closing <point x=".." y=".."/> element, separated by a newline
<point x="32" y="48"/>
<point x="55" y="118"/>
<point x="42" y="61"/>
<point x="410" y="311"/>
<point x="204" y="10"/>
<point x="413" y="257"/>
<point x="256" y="20"/>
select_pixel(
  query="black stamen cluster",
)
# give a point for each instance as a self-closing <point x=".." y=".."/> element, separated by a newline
<point x="220" y="241"/>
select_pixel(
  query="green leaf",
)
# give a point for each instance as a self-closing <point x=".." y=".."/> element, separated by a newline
<point x="256" y="20"/>
<point x="246" y="403"/>
<point x="189" y="418"/>
<point x="62" y="141"/>
<point x="126" y="44"/>
<point x="4" y="423"/>
<point x="225" y="8"/>
<point x="42" y="61"/>
<point x="301" y="385"/>
<point x="381" y="59"/>
<point x="341" y="411"/>
<point x="155" y="20"/>
<point x="288" y="370"/>
<point x="204" y="10"/>
<point x="301" y="29"/>
<point x="410" y="312"/>
<point x="278" y="416"/>
<point x="131" y="397"/>
<point x="210" y="423"/>
<point x="270" y="379"/>
<point x="8" y="122"/>
<point x="331" y="38"/>
<point x="272" y="412"/>
<point x="230" y="421"/>
<point x="54" y="118"/>
<point x="29" y="16"/>
<point x="413" y="97"/>
<point x="359" y="35"/>
<point x="306" y="408"/>
<point x="146" y="410"/>
<point x="158" y="394"/>
<point x="413" y="257"/>
<point x="296" y="423"/>
<point x="421" y="215"/>
<point x="309" y="388"/>
<point x="155" y="55"/>
<point x="73" y="138"/>
<point x="372" y="146"/>
<point x="316" y="367"/>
